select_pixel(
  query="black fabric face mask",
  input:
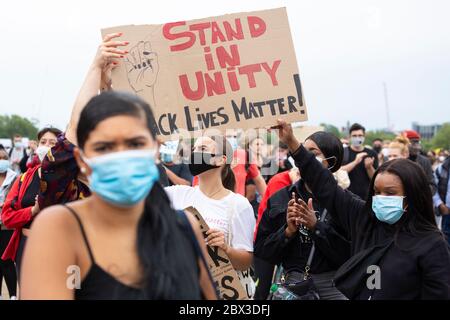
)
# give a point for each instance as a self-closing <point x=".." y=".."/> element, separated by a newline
<point x="201" y="162"/>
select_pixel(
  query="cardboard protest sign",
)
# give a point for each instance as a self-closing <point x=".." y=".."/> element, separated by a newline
<point x="231" y="71"/>
<point x="222" y="271"/>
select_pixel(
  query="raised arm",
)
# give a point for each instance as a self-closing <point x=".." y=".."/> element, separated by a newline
<point x="97" y="78"/>
<point x="341" y="205"/>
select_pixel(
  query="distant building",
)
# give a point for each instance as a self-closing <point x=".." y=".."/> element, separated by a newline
<point x="426" y="132"/>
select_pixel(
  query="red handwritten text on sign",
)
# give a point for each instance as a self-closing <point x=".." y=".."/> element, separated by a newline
<point x="228" y="71"/>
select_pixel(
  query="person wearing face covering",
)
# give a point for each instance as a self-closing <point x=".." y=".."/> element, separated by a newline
<point x="281" y="239"/>
<point x="397" y="250"/>
<point x="177" y="171"/>
<point x="30" y="158"/>
<point x="7" y="268"/>
<point x="21" y="204"/>
<point x="124" y="241"/>
<point x="229" y="215"/>
<point x="17" y="153"/>
<point x="360" y="162"/>
<point x="61" y="179"/>
<point x="415" y="154"/>
<point x="263" y="269"/>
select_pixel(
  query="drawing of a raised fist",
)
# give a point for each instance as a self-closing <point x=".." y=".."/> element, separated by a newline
<point x="142" y="66"/>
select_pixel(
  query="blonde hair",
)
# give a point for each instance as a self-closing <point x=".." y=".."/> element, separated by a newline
<point x="401" y="143"/>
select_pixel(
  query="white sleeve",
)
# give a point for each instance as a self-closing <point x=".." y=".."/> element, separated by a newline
<point x="243" y="226"/>
<point x="178" y="196"/>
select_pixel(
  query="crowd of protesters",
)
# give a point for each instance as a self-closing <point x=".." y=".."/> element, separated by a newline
<point x="101" y="200"/>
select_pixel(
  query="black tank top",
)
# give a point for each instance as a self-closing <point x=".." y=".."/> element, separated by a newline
<point x="101" y="285"/>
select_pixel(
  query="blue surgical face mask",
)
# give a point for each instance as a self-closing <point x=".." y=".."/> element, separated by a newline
<point x="388" y="209"/>
<point x="4" y="166"/>
<point x="19" y="144"/>
<point x="123" y="178"/>
<point x="234" y="142"/>
<point x="166" y="158"/>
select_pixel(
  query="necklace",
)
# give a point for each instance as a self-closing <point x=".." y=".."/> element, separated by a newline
<point x="212" y="195"/>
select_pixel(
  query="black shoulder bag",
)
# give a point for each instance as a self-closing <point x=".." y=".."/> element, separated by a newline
<point x="302" y="284"/>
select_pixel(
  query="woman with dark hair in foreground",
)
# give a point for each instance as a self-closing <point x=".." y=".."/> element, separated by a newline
<point x="124" y="241"/>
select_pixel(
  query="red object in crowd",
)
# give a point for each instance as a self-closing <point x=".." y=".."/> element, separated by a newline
<point x="276" y="183"/>
<point x="241" y="174"/>
<point x="411" y="134"/>
<point x="16" y="218"/>
<point x="34" y="162"/>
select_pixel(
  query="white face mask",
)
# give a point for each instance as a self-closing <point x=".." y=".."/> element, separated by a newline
<point x="357" y="141"/>
<point x="322" y="160"/>
<point x="441" y="158"/>
<point x="42" y="151"/>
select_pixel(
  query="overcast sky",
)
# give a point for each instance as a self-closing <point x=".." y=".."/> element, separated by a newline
<point x="345" y="50"/>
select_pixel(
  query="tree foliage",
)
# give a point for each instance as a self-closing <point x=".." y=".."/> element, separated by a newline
<point x="378" y="134"/>
<point x="331" y="129"/>
<point x="442" y="138"/>
<point x="11" y="125"/>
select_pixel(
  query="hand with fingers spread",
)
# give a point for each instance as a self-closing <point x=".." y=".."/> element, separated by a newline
<point x="142" y="66"/>
<point x="307" y="214"/>
<point x="98" y="78"/>
<point x="108" y="52"/>
<point x="108" y="55"/>
<point x="292" y="217"/>
<point x="216" y="238"/>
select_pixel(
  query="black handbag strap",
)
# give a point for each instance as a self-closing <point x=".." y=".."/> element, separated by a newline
<point x="313" y="248"/>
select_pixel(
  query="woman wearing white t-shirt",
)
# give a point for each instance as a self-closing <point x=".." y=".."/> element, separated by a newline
<point x="229" y="215"/>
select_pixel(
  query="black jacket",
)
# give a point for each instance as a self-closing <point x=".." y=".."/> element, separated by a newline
<point x="414" y="267"/>
<point x="332" y="249"/>
<point x="426" y="166"/>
